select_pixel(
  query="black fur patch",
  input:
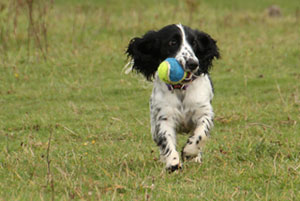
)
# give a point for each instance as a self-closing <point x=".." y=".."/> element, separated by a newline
<point x="151" y="49"/>
<point x="162" y="118"/>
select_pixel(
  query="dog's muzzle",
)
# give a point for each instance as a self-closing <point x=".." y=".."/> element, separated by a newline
<point x="192" y="65"/>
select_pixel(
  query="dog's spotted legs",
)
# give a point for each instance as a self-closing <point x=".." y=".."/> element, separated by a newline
<point x="164" y="135"/>
<point x="195" y="143"/>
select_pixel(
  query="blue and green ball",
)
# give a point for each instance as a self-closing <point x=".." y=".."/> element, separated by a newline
<point x="171" y="72"/>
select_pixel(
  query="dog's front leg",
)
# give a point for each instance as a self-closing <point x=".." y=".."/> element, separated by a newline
<point x="163" y="133"/>
<point x="165" y="137"/>
<point x="204" y="123"/>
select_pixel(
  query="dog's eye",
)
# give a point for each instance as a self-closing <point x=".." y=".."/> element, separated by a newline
<point x="172" y="42"/>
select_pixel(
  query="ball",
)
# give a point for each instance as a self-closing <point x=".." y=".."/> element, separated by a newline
<point x="171" y="72"/>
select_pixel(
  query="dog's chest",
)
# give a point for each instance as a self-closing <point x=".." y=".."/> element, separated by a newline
<point x="185" y="113"/>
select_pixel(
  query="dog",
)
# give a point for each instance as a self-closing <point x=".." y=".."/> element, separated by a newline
<point x="184" y="107"/>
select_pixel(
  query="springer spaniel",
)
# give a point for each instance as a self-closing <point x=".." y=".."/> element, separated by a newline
<point x="184" y="107"/>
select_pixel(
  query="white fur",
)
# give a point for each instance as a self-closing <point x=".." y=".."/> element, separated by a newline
<point x="185" y="52"/>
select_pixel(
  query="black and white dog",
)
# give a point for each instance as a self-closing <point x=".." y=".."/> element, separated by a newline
<point x="183" y="107"/>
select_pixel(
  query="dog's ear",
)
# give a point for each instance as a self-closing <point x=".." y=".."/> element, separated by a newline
<point x="206" y="50"/>
<point x="145" y="54"/>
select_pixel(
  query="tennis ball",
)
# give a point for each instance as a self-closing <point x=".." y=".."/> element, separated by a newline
<point x="171" y="72"/>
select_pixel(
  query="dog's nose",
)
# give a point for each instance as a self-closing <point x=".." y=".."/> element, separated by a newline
<point x="191" y="64"/>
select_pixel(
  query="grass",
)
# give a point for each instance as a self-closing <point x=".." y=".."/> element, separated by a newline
<point x="101" y="147"/>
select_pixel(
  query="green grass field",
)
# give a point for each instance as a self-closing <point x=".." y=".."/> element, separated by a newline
<point x="61" y="81"/>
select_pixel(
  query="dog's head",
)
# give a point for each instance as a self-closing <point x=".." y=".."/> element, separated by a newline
<point x="194" y="50"/>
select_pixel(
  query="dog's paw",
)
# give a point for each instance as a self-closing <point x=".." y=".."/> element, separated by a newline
<point x="173" y="168"/>
<point x="191" y="151"/>
<point x="198" y="158"/>
<point x="173" y="162"/>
